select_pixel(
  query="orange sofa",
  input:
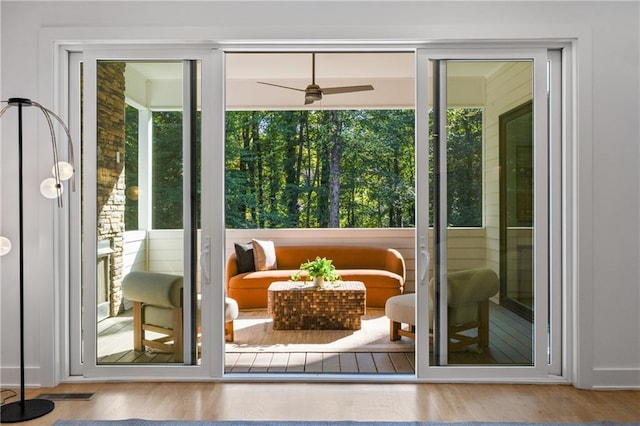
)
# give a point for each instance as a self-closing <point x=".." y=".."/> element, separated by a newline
<point x="382" y="271"/>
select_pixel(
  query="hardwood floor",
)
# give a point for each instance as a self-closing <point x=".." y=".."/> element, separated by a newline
<point x="380" y="402"/>
<point x="342" y="401"/>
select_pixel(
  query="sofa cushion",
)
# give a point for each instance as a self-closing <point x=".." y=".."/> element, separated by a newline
<point x="371" y="277"/>
<point x="343" y="257"/>
<point x="244" y="257"/>
<point x="259" y="279"/>
<point x="264" y="255"/>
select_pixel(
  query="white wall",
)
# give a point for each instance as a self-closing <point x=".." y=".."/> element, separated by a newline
<point x="604" y="226"/>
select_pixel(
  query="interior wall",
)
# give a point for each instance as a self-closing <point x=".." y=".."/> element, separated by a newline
<point x="603" y="229"/>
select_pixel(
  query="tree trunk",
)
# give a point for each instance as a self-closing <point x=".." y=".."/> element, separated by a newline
<point x="334" y="172"/>
<point x="395" y="213"/>
<point x="259" y="168"/>
<point x="247" y="165"/>
<point x="293" y="164"/>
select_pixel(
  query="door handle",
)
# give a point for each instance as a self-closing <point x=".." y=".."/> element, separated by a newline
<point x="425" y="267"/>
<point x="205" y="260"/>
<point x="424" y="253"/>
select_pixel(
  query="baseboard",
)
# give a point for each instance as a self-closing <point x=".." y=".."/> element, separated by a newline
<point x="10" y="377"/>
<point x="603" y="378"/>
<point x="616" y="378"/>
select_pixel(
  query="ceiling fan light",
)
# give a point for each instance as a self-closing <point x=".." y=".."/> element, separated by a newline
<point x="313" y="97"/>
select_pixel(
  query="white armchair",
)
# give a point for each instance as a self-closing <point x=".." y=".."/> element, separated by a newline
<point x="468" y="294"/>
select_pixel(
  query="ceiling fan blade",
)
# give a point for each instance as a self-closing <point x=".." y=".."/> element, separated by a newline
<point x="346" y="89"/>
<point x="278" y="85"/>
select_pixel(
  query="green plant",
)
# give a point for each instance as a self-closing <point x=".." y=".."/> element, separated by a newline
<point x="320" y="267"/>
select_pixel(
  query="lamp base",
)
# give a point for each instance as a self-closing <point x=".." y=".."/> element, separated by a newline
<point x="21" y="411"/>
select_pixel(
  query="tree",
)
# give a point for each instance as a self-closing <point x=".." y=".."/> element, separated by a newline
<point x="347" y="168"/>
<point x="131" y="168"/>
<point x="334" y="171"/>
<point x="167" y="187"/>
<point x="310" y="169"/>
<point x="167" y="167"/>
<point x="464" y="166"/>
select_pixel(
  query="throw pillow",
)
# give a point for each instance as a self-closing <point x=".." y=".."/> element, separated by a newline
<point x="244" y="257"/>
<point x="264" y="255"/>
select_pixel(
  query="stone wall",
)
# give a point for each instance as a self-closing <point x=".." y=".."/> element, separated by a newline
<point x="110" y="173"/>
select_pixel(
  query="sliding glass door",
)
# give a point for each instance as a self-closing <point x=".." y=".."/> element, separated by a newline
<point x="487" y="209"/>
<point x="142" y="208"/>
<point x="488" y="285"/>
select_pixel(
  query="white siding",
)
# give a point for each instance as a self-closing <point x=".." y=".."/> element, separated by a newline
<point x="135" y="251"/>
<point x="508" y="87"/>
<point x="166" y="250"/>
<point x="162" y="250"/>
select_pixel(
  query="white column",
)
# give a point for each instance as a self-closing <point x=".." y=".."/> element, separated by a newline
<point x="145" y="157"/>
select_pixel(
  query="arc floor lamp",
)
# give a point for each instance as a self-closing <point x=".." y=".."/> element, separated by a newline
<point x="52" y="187"/>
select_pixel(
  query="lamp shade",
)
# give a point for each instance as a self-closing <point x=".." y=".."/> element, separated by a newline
<point x="65" y="169"/>
<point x="49" y="188"/>
<point x="5" y="246"/>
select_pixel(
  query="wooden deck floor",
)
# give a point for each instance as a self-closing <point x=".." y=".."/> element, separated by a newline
<point x="321" y="362"/>
<point x="510" y="344"/>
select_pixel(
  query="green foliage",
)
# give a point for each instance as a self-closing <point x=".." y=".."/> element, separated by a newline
<point x="314" y="169"/>
<point x="464" y="166"/>
<point x="320" y="267"/>
<point x="167" y="170"/>
<point x="131" y="167"/>
<point x="166" y="174"/>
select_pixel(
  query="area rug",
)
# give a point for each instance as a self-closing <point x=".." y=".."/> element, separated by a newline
<point x="140" y="422"/>
<point x="253" y="332"/>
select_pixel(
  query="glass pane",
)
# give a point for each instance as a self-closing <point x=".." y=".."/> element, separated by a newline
<point x="141" y="276"/>
<point x="489" y="199"/>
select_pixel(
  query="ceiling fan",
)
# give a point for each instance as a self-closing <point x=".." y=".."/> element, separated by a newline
<point x="313" y="92"/>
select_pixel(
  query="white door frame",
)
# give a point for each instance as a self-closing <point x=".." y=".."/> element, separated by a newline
<point x="211" y="325"/>
<point x="213" y="238"/>
<point x="543" y="234"/>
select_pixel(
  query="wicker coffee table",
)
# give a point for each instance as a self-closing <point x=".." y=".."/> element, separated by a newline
<point x="298" y="306"/>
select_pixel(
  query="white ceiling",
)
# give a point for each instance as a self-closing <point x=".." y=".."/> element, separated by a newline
<point x="391" y="74"/>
